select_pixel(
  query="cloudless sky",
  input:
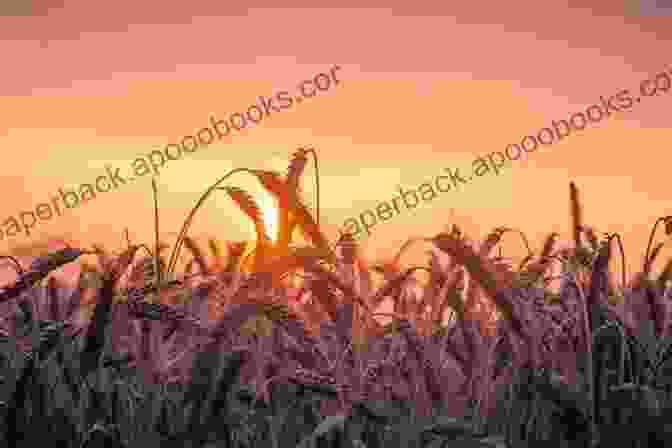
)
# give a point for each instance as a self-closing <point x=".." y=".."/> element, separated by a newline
<point x="424" y="86"/>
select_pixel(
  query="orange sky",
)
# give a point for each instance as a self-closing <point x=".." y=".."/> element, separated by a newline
<point x="423" y="87"/>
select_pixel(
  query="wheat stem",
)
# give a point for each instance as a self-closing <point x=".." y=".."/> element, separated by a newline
<point x="157" y="265"/>
<point x="187" y="222"/>
<point x="317" y="183"/>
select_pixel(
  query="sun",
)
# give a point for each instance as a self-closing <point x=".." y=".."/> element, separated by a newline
<point x="269" y="209"/>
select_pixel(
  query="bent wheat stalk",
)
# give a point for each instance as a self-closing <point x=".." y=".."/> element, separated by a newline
<point x="187" y="222"/>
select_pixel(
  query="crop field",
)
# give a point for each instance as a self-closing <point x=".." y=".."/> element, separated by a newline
<point x="278" y="344"/>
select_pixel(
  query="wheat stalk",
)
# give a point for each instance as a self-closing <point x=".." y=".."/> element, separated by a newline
<point x="190" y="217"/>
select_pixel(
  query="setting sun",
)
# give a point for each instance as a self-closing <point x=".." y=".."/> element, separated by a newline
<point x="269" y="209"/>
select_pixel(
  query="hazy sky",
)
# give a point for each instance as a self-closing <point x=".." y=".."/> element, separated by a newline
<point x="423" y="86"/>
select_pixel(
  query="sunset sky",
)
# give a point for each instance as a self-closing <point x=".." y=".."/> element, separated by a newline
<point x="423" y="86"/>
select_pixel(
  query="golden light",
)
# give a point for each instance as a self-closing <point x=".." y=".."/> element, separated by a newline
<point x="269" y="209"/>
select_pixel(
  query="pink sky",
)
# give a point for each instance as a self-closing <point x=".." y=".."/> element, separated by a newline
<point x="424" y="87"/>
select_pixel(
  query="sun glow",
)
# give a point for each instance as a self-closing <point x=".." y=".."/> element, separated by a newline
<point x="269" y="209"/>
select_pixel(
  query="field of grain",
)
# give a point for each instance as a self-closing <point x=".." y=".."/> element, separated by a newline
<point x="274" y="344"/>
